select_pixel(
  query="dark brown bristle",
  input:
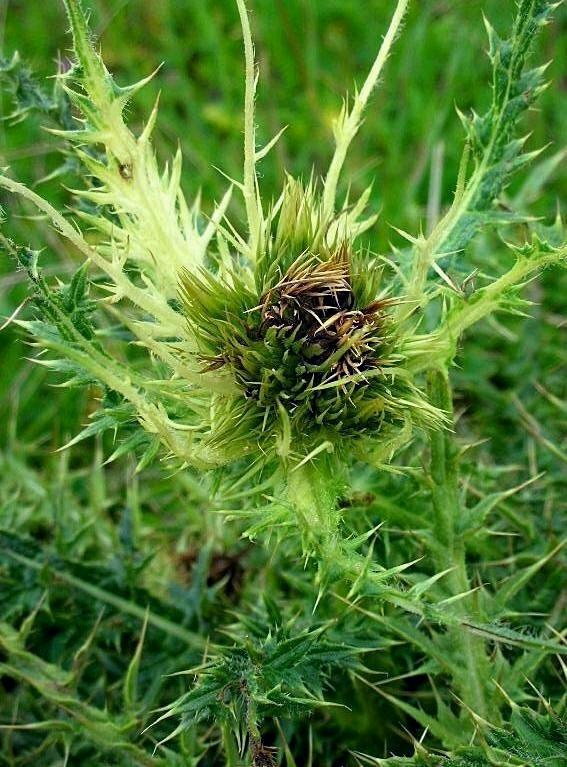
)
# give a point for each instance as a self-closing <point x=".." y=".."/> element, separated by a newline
<point x="308" y="332"/>
<point x="315" y="302"/>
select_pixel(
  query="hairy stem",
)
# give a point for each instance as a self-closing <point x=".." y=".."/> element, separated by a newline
<point x="348" y="129"/>
<point x="312" y="490"/>
<point x="229" y="746"/>
<point x="490" y="144"/>
<point x="486" y="301"/>
<point x="250" y="183"/>
<point x="450" y="551"/>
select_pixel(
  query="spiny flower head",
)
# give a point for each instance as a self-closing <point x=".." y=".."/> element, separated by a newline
<point x="275" y="341"/>
<point x="275" y="344"/>
<point x="306" y="340"/>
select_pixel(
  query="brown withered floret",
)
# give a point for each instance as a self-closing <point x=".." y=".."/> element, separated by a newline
<point x="314" y="303"/>
<point x="263" y="756"/>
<point x="307" y="342"/>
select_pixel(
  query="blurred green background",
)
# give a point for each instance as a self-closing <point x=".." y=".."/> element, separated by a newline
<point x="310" y="53"/>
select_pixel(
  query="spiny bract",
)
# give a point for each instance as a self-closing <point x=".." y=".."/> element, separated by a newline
<point x="284" y="353"/>
<point x="305" y="340"/>
<point x="277" y="346"/>
<point x="289" y="346"/>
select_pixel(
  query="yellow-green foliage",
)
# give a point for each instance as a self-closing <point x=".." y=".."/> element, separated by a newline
<point x="281" y="358"/>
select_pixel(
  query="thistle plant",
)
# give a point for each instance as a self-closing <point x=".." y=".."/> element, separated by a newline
<point x="281" y="360"/>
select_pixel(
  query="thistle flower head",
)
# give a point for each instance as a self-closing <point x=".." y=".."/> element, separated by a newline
<point x="277" y="340"/>
<point x="305" y="338"/>
<point x="271" y="344"/>
<point x="279" y="345"/>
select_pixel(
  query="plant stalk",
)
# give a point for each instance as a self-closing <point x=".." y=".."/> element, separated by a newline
<point x="450" y="551"/>
<point x="229" y="746"/>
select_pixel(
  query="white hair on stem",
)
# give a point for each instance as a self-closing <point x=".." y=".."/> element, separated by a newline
<point x="250" y="188"/>
<point x="348" y="123"/>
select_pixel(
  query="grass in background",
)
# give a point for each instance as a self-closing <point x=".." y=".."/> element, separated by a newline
<point x="98" y="541"/>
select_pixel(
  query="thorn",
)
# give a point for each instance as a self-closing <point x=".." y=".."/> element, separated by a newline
<point x="13" y="316"/>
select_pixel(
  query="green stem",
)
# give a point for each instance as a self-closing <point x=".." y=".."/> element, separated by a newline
<point x="230" y="748"/>
<point x="450" y="551"/>
<point x="313" y="490"/>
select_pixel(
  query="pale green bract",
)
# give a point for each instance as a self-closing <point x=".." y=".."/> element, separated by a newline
<point x="279" y="353"/>
<point x="284" y="349"/>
